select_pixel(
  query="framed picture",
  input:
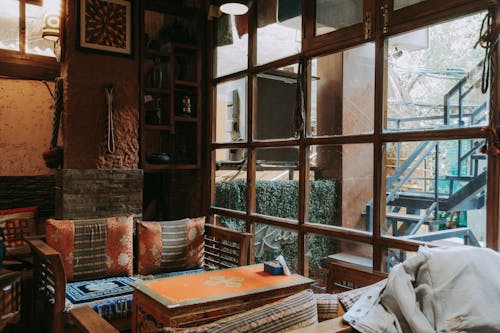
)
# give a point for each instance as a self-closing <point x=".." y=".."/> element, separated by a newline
<point x="105" y="25"/>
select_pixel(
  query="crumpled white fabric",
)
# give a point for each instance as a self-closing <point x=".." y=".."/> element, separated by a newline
<point x="438" y="290"/>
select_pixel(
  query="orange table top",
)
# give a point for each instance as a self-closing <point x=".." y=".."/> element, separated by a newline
<point x="216" y="285"/>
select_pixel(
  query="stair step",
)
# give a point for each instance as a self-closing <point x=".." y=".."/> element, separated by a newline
<point x="411" y="218"/>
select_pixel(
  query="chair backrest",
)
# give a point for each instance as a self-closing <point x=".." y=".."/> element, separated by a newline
<point x="343" y="276"/>
<point x="225" y="248"/>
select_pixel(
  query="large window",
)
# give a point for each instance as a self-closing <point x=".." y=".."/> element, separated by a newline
<point x="354" y="142"/>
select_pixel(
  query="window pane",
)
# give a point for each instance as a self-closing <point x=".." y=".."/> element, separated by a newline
<point x="345" y="173"/>
<point x="323" y="249"/>
<point x="230" y="222"/>
<point x="231" y="53"/>
<point x="276" y="95"/>
<point x="434" y="78"/>
<point x="392" y="257"/>
<point x="9" y="21"/>
<point x="231" y="179"/>
<point x="231" y="111"/>
<point x="271" y="241"/>
<point x="337" y="14"/>
<point x="279" y="30"/>
<point x="342" y="92"/>
<point x="398" y="4"/>
<point x="35" y="44"/>
<point x="277" y="182"/>
<point x="436" y="191"/>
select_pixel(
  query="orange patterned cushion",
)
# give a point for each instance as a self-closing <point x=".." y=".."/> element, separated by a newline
<point x="93" y="249"/>
<point x="170" y="245"/>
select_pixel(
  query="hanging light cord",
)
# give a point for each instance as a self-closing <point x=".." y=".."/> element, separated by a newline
<point x="487" y="40"/>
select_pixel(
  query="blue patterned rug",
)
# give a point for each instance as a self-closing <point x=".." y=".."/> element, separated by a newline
<point x="88" y="291"/>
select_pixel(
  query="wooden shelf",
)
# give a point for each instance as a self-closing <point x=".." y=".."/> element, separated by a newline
<point x="185" y="119"/>
<point x="192" y="84"/>
<point x="156" y="91"/>
<point x="178" y="136"/>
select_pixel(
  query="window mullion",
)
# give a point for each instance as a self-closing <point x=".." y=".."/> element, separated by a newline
<point x="22" y="26"/>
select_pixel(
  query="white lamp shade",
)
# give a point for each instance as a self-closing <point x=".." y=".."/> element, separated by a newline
<point x="234" y="7"/>
<point x="51" y="19"/>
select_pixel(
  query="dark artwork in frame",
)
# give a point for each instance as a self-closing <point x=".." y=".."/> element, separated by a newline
<point x="105" y="26"/>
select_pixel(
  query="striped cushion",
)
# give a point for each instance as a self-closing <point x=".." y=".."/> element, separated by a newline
<point x="93" y="249"/>
<point x="293" y="312"/>
<point x="328" y="306"/>
<point x="348" y="298"/>
<point x="170" y="245"/>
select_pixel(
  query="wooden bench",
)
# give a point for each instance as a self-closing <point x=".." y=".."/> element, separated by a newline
<point x="224" y="248"/>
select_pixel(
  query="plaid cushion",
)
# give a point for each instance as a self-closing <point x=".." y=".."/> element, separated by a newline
<point x="328" y="306"/>
<point x="348" y="298"/>
<point x="293" y="312"/>
<point x="16" y="224"/>
<point x="170" y="245"/>
<point x="93" y="249"/>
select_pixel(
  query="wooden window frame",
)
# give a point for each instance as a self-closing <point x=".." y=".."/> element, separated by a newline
<point x="403" y="20"/>
<point x="22" y="65"/>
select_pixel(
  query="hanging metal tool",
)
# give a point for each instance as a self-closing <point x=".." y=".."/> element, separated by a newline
<point x="110" y="137"/>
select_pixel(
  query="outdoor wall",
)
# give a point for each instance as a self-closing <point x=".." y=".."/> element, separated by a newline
<point x="25" y="127"/>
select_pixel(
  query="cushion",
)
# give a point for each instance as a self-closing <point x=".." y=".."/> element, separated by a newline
<point x="348" y="298"/>
<point x="328" y="306"/>
<point x="93" y="249"/>
<point x="293" y="312"/>
<point x="16" y="224"/>
<point x="111" y="298"/>
<point x="170" y="245"/>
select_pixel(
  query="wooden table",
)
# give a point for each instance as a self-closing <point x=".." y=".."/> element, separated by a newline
<point x="195" y="299"/>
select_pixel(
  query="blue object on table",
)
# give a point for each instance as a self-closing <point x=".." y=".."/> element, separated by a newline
<point x="273" y="267"/>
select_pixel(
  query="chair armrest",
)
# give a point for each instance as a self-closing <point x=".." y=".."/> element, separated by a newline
<point x="225" y="247"/>
<point x="88" y="321"/>
<point x="49" y="284"/>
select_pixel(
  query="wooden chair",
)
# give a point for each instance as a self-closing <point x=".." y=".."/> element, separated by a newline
<point x="223" y="248"/>
<point x="344" y="276"/>
<point x="10" y="298"/>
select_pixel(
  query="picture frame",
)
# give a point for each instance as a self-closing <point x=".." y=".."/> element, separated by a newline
<point x="105" y="26"/>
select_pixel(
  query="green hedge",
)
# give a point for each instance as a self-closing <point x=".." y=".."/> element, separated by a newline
<point x="280" y="199"/>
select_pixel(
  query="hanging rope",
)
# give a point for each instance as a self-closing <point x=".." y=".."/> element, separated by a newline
<point x="487" y="40"/>
<point x="110" y="136"/>
<point x="299" y="114"/>
<point x="58" y="106"/>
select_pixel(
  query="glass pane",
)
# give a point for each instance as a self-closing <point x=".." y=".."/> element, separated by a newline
<point x="271" y="241"/>
<point x="231" y="111"/>
<point x="279" y="29"/>
<point x="9" y="21"/>
<point x="392" y="257"/>
<point x="436" y="191"/>
<point x="230" y="222"/>
<point x="398" y="4"/>
<point x="35" y="44"/>
<point x="342" y="92"/>
<point x="345" y="173"/>
<point x="323" y="249"/>
<point x="434" y="77"/>
<point x="231" y="53"/>
<point x="337" y="14"/>
<point x="231" y="179"/>
<point x="277" y="182"/>
<point x="276" y="95"/>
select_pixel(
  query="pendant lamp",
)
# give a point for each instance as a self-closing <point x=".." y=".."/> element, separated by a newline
<point x="234" y="7"/>
<point x="51" y="19"/>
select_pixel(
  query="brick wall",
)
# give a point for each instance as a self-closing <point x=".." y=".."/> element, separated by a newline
<point x="96" y="193"/>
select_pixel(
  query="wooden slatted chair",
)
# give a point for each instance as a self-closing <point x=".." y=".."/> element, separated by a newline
<point x="223" y="248"/>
